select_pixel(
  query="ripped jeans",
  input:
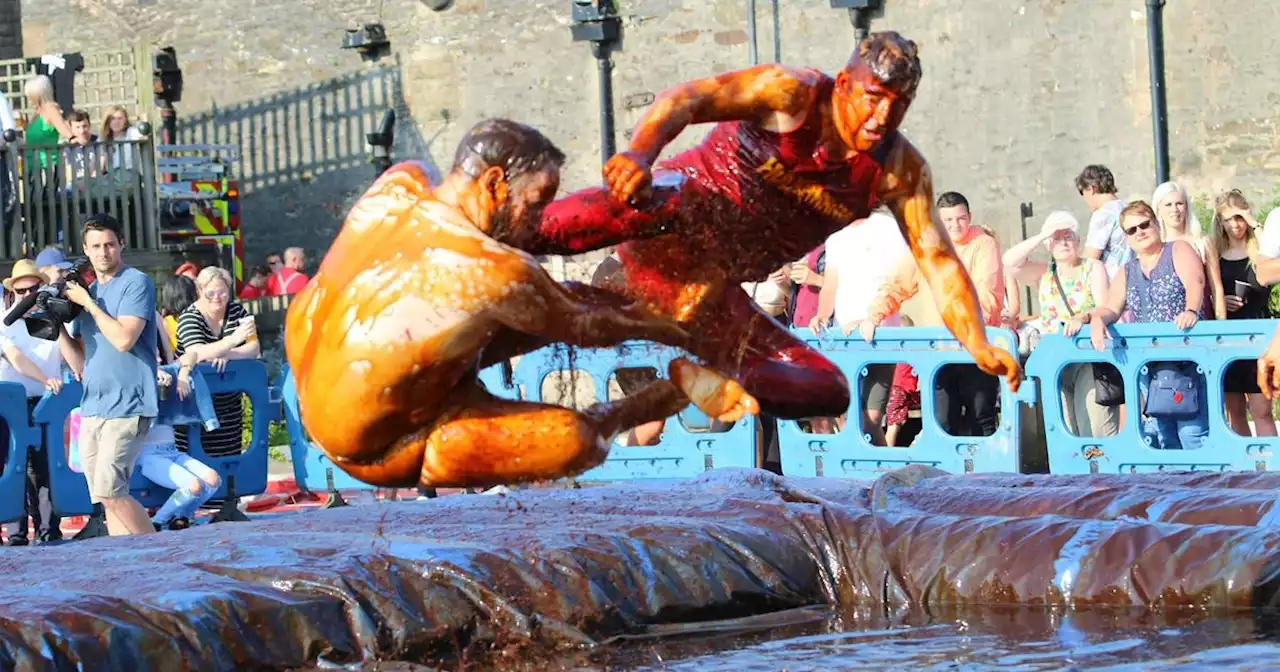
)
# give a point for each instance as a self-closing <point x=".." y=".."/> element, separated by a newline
<point x="192" y="481"/>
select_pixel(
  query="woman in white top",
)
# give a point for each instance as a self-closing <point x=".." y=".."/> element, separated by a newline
<point x="116" y="127"/>
<point x="1178" y="221"/>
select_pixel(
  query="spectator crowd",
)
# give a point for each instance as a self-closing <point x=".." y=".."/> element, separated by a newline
<point x="134" y="348"/>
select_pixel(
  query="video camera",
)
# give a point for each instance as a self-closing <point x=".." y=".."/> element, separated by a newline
<point x="51" y="306"/>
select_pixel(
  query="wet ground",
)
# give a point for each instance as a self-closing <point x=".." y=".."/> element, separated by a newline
<point x="735" y="570"/>
<point x="1003" y="639"/>
<point x="1006" y="639"/>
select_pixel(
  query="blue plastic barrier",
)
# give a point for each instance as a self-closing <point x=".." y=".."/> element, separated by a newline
<point x="312" y="469"/>
<point x="1213" y="345"/>
<point x="22" y="438"/>
<point x="681" y="453"/>
<point x="849" y="454"/>
<point x="69" y="491"/>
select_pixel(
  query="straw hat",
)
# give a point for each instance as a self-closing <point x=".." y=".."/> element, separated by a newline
<point x="25" y="268"/>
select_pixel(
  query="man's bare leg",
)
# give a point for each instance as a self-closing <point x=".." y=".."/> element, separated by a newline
<point x="126" y="516"/>
<point x="486" y="441"/>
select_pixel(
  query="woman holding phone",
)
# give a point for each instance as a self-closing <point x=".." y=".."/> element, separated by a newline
<point x="1235" y="238"/>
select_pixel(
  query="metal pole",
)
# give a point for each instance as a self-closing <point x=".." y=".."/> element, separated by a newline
<point x="752" y="54"/>
<point x="605" y="66"/>
<point x="1159" y="110"/>
<point x="777" y="33"/>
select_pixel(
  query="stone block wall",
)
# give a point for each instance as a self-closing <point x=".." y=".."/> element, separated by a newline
<point x="1018" y="95"/>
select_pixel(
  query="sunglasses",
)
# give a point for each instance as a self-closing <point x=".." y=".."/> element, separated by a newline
<point x="213" y="296"/>
<point x="23" y="291"/>
<point x="1143" y="226"/>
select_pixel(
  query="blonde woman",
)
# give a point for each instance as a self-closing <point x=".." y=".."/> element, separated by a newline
<point x="116" y="127"/>
<point x="1235" y="236"/>
<point x="49" y="127"/>
<point x="1178" y="221"/>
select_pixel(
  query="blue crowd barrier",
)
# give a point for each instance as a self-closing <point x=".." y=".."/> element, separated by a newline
<point x="312" y="469"/>
<point x="1212" y="345"/>
<point x="850" y="454"/>
<point x="681" y="453"/>
<point x="246" y="471"/>
<point x="22" y="438"/>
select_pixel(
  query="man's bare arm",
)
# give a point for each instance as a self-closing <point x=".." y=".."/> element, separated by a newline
<point x="769" y="95"/>
<point x="540" y="307"/>
<point x="908" y="190"/>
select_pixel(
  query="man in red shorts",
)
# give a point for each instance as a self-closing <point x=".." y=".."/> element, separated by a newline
<point x="795" y="156"/>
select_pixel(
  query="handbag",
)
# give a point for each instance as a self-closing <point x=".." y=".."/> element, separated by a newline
<point x="1174" y="391"/>
<point x="1108" y="384"/>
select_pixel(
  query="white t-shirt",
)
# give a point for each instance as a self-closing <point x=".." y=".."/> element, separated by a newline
<point x="1269" y="239"/>
<point x="864" y="257"/>
<point x="1105" y="234"/>
<point x="45" y="354"/>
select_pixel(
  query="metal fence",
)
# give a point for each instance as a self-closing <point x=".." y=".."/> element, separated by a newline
<point x="47" y="192"/>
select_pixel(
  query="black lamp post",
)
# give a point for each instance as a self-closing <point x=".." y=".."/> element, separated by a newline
<point x="597" y="22"/>
<point x="861" y="12"/>
<point x="1159" y="110"/>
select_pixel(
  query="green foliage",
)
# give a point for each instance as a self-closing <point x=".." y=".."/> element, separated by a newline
<point x="277" y="433"/>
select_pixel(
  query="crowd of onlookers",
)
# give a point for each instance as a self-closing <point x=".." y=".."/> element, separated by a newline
<point x="134" y="349"/>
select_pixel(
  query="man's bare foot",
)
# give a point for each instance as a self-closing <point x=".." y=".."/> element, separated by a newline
<point x="713" y="394"/>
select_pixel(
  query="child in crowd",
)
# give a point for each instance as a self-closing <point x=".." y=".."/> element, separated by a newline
<point x="904" y="397"/>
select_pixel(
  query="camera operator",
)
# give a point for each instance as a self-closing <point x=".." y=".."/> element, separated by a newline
<point x="116" y="350"/>
<point x="36" y="364"/>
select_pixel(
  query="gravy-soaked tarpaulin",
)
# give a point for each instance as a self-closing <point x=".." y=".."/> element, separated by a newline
<point x="1191" y="506"/>
<point x="530" y="573"/>
<point x="1243" y="480"/>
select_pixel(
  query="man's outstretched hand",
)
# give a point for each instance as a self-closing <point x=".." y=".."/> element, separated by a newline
<point x="999" y="362"/>
<point x="627" y="175"/>
<point x="1269" y="368"/>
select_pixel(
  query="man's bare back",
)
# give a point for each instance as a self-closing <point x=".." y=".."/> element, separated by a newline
<point x="414" y="297"/>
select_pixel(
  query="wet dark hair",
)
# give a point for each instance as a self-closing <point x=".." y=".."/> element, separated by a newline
<point x="892" y="58"/>
<point x="517" y="149"/>
<point x="952" y="199"/>
<point x="176" y="294"/>
<point x="103" y="222"/>
<point x="1097" y="177"/>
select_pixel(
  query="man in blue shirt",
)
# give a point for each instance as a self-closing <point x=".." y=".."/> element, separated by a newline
<point x="115" y="350"/>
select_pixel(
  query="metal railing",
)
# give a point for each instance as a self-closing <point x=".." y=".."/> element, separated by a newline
<point x="46" y="193"/>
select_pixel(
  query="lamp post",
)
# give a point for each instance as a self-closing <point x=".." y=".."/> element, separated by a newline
<point x="1159" y="110"/>
<point x="861" y="12"/>
<point x="597" y="22"/>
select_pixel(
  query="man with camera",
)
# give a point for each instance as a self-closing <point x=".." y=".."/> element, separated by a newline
<point x="115" y="348"/>
<point x="36" y="364"/>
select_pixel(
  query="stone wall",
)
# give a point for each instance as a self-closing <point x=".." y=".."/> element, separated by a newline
<point x="1018" y="94"/>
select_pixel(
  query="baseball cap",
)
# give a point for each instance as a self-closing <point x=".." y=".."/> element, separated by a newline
<point x="53" y="257"/>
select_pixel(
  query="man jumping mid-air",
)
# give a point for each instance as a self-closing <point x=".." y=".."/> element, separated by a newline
<point x="423" y="288"/>
<point x="795" y="155"/>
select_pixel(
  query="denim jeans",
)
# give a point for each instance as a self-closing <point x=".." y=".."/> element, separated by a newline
<point x="1173" y="433"/>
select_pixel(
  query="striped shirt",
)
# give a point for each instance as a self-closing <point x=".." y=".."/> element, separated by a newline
<point x="194" y="330"/>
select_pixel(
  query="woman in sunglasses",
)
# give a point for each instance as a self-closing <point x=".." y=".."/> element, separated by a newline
<point x="1163" y="282"/>
<point x="215" y="329"/>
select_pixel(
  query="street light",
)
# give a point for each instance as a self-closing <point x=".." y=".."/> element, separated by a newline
<point x="861" y="12"/>
<point x="597" y="22"/>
